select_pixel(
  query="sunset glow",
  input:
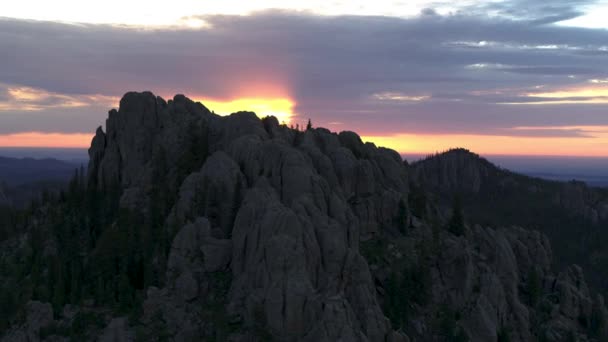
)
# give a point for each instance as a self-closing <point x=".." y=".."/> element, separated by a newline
<point x="281" y="108"/>
<point x="50" y="140"/>
<point x="594" y="146"/>
<point x="582" y="95"/>
<point x="492" y="76"/>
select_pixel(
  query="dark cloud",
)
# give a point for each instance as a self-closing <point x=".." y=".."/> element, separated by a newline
<point x="331" y="66"/>
<point x="538" y="12"/>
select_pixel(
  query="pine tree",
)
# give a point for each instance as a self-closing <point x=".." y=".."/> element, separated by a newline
<point x="402" y="217"/>
<point x="75" y="284"/>
<point x="597" y="326"/>
<point x="418" y="201"/>
<point x="125" y="292"/>
<point x="533" y="286"/>
<point x="58" y="299"/>
<point x="309" y="125"/>
<point x="456" y="223"/>
<point x="100" y="290"/>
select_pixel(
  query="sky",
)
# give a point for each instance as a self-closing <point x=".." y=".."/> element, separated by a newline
<point x="509" y="77"/>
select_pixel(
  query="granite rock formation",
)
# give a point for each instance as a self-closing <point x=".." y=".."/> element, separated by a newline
<point x="287" y="235"/>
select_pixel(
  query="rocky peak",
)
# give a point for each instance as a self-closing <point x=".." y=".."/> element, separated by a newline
<point x="457" y="170"/>
<point x="144" y="128"/>
<point x="255" y="231"/>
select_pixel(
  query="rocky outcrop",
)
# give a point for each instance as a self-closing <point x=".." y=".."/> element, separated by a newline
<point x="490" y="283"/>
<point x="118" y="330"/>
<point x="37" y="316"/>
<point x="590" y="203"/>
<point x="263" y="232"/>
<point x="283" y="209"/>
<point x="146" y="138"/>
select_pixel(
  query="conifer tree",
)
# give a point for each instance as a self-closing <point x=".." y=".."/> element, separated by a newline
<point x="534" y="286"/>
<point x="402" y="217"/>
<point x="456" y="223"/>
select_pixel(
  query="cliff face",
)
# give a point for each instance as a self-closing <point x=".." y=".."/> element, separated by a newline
<point x="271" y="204"/>
<point x="288" y="235"/>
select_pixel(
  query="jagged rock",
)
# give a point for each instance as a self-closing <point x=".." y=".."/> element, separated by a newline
<point x="216" y="253"/>
<point x="165" y="316"/>
<point x="133" y="198"/>
<point x="117" y="331"/>
<point x="37" y="315"/>
<point x="398" y="337"/>
<point x="231" y="127"/>
<point x="574" y="298"/>
<point x="144" y="130"/>
<point x="186" y="261"/>
<point x="274" y="229"/>
<point x="215" y="192"/>
<point x="269" y="238"/>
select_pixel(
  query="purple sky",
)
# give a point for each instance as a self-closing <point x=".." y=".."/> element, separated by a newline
<point x="464" y="73"/>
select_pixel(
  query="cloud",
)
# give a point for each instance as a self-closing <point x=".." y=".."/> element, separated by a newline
<point x="431" y="73"/>
<point x="536" y="12"/>
<point x="57" y="120"/>
<point x="21" y="98"/>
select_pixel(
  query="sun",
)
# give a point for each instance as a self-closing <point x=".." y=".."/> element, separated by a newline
<point x="281" y="108"/>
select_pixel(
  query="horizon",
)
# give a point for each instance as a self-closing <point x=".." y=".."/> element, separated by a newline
<point x="590" y="170"/>
<point x="498" y="78"/>
<point x="293" y="170"/>
<point x="14" y="152"/>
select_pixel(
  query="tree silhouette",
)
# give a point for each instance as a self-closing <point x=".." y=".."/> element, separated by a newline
<point x="456" y="223"/>
<point x="402" y="217"/>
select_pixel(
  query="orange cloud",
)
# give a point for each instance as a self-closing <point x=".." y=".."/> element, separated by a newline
<point x="35" y="99"/>
<point x="576" y="95"/>
<point x="50" y="140"/>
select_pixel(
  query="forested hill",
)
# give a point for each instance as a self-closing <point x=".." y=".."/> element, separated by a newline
<point x="573" y="215"/>
<point x="23" y="180"/>
<point x="192" y="226"/>
<point x="18" y="171"/>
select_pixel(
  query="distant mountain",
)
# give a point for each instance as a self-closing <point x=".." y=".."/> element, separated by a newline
<point x="572" y="214"/>
<point x="591" y="170"/>
<point x="459" y="171"/>
<point x="196" y="227"/>
<point x="71" y="155"/>
<point x="25" y="179"/>
<point x="18" y="171"/>
<point x="591" y="180"/>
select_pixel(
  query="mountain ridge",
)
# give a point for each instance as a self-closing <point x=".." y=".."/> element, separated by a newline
<point x="193" y="226"/>
<point x="18" y="171"/>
